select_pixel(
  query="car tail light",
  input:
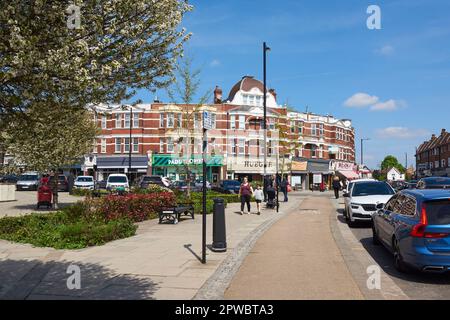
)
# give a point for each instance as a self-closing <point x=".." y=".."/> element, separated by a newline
<point x="418" y="230"/>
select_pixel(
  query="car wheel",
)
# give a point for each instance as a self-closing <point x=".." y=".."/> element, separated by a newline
<point x="375" y="238"/>
<point x="398" y="259"/>
<point x="351" y="223"/>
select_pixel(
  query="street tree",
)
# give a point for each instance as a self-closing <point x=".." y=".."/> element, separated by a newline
<point x="51" y="137"/>
<point x="184" y="91"/>
<point x="392" y="162"/>
<point x="92" y="52"/>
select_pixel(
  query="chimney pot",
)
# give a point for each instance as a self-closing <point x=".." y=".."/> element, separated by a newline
<point x="273" y="92"/>
<point x="217" y="95"/>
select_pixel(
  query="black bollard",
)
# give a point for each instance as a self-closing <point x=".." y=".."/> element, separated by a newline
<point x="219" y="233"/>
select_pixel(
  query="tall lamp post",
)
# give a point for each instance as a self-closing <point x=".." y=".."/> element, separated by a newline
<point x="362" y="149"/>
<point x="265" y="49"/>
<point x="129" y="142"/>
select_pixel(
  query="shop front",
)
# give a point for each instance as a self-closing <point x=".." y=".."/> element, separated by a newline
<point x="177" y="168"/>
<point x="252" y="168"/>
<point x="299" y="174"/>
<point x="120" y="164"/>
<point x="346" y="171"/>
<point x="319" y="171"/>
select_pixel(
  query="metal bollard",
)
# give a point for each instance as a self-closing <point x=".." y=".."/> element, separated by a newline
<point x="219" y="233"/>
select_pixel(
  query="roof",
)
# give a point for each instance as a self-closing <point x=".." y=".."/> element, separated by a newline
<point x="443" y="139"/>
<point x="247" y="83"/>
<point x="428" y="194"/>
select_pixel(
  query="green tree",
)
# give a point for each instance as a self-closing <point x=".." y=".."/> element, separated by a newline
<point x="392" y="162"/>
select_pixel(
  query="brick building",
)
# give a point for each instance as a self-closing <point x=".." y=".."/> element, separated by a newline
<point x="433" y="156"/>
<point x="166" y="138"/>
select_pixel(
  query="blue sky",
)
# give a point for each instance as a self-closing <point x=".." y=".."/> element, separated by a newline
<point x="323" y="54"/>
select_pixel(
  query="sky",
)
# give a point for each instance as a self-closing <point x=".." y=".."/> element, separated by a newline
<point x="393" y="82"/>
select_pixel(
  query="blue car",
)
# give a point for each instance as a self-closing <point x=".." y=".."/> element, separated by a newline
<point x="415" y="226"/>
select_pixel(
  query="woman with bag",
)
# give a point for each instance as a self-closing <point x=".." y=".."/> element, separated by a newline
<point x="245" y="192"/>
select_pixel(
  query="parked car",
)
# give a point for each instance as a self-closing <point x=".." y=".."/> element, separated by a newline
<point x="84" y="182"/>
<point x="199" y="184"/>
<point x="350" y="184"/>
<point x="434" y="183"/>
<point x="9" y="178"/>
<point x="144" y="181"/>
<point x="363" y="199"/>
<point x="63" y="184"/>
<point x="415" y="226"/>
<point x="399" y="185"/>
<point x="412" y="184"/>
<point x="117" y="180"/>
<point x="182" y="186"/>
<point x="228" y="186"/>
<point x="28" y="181"/>
<point x="101" y="184"/>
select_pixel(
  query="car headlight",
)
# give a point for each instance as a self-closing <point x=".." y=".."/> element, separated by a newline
<point x="355" y="205"/>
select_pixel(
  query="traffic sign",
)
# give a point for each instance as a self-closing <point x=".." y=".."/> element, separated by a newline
<point x="207" y="120"/>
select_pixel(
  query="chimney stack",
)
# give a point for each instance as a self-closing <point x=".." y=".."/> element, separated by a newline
<point x="272" y="91"/>
<point x="217" y="95"/>
<point x="433" y="136"/>
<point x="443" y="131"/>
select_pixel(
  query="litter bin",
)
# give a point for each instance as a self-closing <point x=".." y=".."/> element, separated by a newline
<point x="219" y="233"/>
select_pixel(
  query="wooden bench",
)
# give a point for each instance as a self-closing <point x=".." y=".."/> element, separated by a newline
<point x="173" y="214"/>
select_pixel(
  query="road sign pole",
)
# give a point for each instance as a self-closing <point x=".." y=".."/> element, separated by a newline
<point x="205" y="144"/>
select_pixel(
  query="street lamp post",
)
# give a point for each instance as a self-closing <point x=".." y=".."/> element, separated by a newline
<point x="130" y="144"/>
<point x="265" y="49"/>
<point x="362" y="149"/>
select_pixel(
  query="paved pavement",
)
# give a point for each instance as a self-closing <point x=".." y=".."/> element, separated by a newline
<point x="26" y="203"/>
<point x="297" y="259"/>
<point x="160" y="262"/>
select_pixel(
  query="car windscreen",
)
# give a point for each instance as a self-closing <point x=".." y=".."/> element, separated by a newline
<point x="438" y="182"/>
<point x="85" y="179"/>
<point x="28" y="177"/>
<point x="438" y="212"/>
<point x="371" y="188"/>
<point x="117" y="179"/>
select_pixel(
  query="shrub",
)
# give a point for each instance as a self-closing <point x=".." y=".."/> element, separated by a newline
<point x="137" y="207"/>
<point x="152" y="188"/>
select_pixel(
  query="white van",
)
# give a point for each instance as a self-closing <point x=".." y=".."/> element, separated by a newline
<point x="118" y="180"/>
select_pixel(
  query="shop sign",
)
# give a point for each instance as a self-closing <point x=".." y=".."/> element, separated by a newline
<point x="342" y="166"/>
<point x="174" y="161"/>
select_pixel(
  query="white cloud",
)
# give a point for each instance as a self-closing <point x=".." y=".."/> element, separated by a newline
<point x="360" y="100"/>
<point x="215" y="63"/>
<point x="386" y="50"/>
<point x="390" y="105"/>
<point x="401" y="133"/>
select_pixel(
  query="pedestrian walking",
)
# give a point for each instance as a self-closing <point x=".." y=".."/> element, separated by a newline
<point x="336" y="186"/>
<point x="284" y="188"/>
<point x="258" y="198"/>
<point x="245" y="192"/>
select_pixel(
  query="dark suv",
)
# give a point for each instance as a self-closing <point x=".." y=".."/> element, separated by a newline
<point x="145" y="181"/>
<point x="434" y="183"/>
<point x="63" y="184"/>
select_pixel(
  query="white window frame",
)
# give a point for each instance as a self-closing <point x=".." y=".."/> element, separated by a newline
<point x="170" y="120"/>
<point x="161" y="145"/>
<point x="127" y="121"/>
<point x="136" y="120"/>
<point x="103" y="145"/>
<point x="241" y="122"/>
<point x="233" y="122"/>
<point x="241" y="146"/>
<point x="170" y="145"/>
<point x="104" y="121"/>
<point x="118" y="118"/>
<point x="126" y="146"/>
<point x="118" y="143"/>
<point x="161" y="120"/>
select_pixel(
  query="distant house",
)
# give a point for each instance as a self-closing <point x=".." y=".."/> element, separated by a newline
<point x="394" y="175"/>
